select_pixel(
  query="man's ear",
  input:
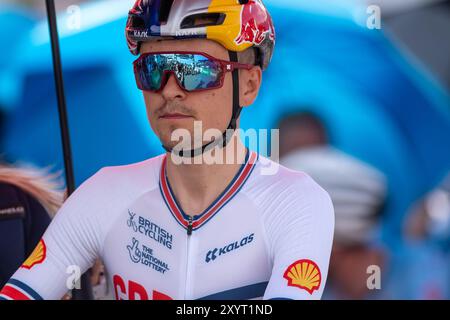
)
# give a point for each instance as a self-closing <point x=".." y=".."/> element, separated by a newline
<point x="249" y="85"/>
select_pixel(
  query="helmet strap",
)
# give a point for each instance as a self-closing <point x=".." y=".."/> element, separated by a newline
<point x="225" y="139"/>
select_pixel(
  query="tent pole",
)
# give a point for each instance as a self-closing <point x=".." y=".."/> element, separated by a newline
<point x="85" y="293"/>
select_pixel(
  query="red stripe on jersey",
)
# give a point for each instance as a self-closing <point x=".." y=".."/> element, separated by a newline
<point x="168" y="195"/>
<point x="230" y="192"/>
<point x="13" y="293"/>
<point x="220" y="202"/>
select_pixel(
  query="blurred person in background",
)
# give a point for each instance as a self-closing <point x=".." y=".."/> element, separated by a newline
<point x="427" y="247"/>
<point x="28" y="199"/>
<point x="358" y="192"/>
<point x="430" y="217"/>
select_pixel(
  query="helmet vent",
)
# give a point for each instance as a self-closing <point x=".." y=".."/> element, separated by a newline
<point x="164" y="11"/>
<point x="203" y="20"/>
<point x="137" y="23"/>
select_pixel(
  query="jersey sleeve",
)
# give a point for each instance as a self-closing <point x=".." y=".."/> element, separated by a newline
<point x="300" y="235"/>
<point x="67" y="249"/>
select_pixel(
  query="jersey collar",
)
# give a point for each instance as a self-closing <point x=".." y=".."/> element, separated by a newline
<point x="230" y="191"/>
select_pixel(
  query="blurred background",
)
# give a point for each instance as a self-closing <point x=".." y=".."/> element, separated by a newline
<point x="362" y="106"/>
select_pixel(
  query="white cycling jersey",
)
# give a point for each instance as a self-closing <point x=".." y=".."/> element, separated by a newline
<point x="266" y="236"/>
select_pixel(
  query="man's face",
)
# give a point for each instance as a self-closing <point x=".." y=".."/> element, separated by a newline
<point x="173" y="108"/>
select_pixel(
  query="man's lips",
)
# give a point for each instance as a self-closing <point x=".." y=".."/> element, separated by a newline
<point x="174" y="116"/>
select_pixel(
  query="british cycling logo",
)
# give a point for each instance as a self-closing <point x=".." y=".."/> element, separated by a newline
<point x="145" y="256"/>
<point x="149" y="229"/>
<point x="213" y="254"/>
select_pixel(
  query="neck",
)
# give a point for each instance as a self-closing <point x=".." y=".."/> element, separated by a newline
<point x="198" y="183"/>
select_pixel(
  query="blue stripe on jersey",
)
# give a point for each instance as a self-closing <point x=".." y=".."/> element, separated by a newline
<point x="1" y="298"/>
<point x="280" y="299"/>
<point x="25" y="288"/>
<point x="243" y="293"/>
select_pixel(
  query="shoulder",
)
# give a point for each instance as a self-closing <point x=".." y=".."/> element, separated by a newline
<point x="112" y="187"/>
<point x="288" y="199"/>
<point x="295" y="211"/>
<point x="273" y="182"/>
<point x="144" y="174"/>
<point x="100" y="200"/>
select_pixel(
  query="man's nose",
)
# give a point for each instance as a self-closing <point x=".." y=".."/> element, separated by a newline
<point x="172" y="90"/>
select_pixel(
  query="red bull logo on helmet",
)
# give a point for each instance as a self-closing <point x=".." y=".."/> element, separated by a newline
<point x="256" y="24"/>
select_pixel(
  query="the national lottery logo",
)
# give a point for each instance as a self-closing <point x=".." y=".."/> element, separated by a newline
<point x="145" y="256"/>
<point x="148" y="228"/>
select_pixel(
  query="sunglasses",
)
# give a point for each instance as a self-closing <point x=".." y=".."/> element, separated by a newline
<point x="194" y="71"/>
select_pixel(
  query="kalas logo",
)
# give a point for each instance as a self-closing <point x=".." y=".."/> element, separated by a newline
<point x="255" y="24"/>
<point x="217" y="252"/>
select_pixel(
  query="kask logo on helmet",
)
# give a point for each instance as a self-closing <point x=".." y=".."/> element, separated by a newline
<point x="140" y="34"/>
<point x="255" y="24"/>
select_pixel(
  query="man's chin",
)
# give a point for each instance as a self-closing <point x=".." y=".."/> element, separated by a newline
<point x="182" y="145"/>
<point x="169" y="128"/>
<point x="177" y="143"/>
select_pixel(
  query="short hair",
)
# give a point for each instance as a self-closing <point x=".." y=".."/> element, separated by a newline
<point x="248" y="56"/>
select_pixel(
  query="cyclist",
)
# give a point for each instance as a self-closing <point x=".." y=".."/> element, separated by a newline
<point x="179" y="226"/>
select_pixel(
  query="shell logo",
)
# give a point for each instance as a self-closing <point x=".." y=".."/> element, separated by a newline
<point x="304" y="274"/>
<point x="37" y="256"/>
